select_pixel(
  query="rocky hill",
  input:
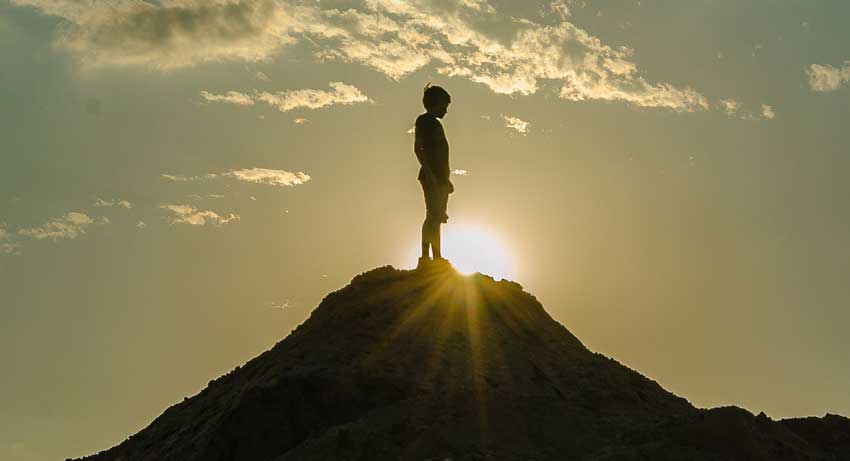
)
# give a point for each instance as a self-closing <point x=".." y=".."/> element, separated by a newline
<point x="431" y="365"/>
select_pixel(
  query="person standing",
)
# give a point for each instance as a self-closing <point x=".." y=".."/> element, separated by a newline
<point x="432" y="151"/>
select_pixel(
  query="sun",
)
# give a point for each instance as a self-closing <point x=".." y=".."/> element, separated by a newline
<point x="473" y="248"/>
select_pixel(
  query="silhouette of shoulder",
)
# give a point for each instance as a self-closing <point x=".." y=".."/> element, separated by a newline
<point x="427" y="121"/>
<point x="429" y="127"/>
<point x="425" y="118"/>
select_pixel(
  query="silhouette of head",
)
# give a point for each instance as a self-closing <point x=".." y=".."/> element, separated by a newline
<point x="436" y="100"/>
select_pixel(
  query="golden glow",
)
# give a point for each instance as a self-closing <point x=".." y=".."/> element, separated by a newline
<point x="472" y="248"/>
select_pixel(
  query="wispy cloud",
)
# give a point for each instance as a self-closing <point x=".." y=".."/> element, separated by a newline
<point x="201" y="197"/>
<point x="7" y="246"/>
<point x="459" y="172"/>
<point x="735" y="109"/>
<point x="176" y="178"/>
<point x="559" y="9"/>
<point x="824" y="78"/>
<point x="180" y="178"/>
<point x="101" y="203"/>
<point x="516" y="123"/>
<point x="730" y="106"/>
<point x="300" y="121"/>
<point x="281" y="305"/>
<point x="187" y="214"/>
<point x="287" y="100"/>
<point x="267" y="176"/>
<point x="69" y="226"/>
<point x="231" y="97"/>
<point x="262" y="76"/>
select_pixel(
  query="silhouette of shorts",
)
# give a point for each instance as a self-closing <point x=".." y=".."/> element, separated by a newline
<point x="436" y="201"/>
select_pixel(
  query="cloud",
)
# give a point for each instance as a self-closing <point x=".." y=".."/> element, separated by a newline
<point x="179" y="178"/>
<point x="269" y="176"/>
<point x="69" y="226"/>
<point x="6" y="245"/>
<point x="287" y="100"/>
<point x="176" y="178"/>
<point x="141" y="225"/>
<point x="300" y="121"/>
<point x="825" y="78"/>
<point x="187" y="214"/>
<point x="200" y="197"/>
<point x="100" y="203"/>
<point x="516" y="123"/>
<point x="465" y="38"/>
<point x="253" y="175"/>
<point x="231" y="97"/>
<point x="510" y="55"/>
<point x="734" y="108"/>
<point x="730" y="106"/>
<point x="636" y="91"/>
<point x="166" y="34"/>
<point x="262" y="76"/>
<point x="283" y="305"/>
<point x="459" y="172"/>
<point x="560" y="9"/>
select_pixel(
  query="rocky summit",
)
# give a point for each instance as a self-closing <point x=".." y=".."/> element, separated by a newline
<point x="431" y="365"/>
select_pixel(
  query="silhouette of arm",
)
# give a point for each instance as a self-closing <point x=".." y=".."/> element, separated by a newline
<point x="421" y="155"/>
<point x="423" y="145"/>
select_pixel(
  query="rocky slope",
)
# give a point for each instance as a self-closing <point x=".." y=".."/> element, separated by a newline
<point x="420" y="365"/>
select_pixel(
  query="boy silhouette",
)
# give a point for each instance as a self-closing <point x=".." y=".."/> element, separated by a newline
<point x="432" y="151"/>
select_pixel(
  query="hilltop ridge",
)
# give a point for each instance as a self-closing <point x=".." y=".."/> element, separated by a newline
<point x="429" y="364"/>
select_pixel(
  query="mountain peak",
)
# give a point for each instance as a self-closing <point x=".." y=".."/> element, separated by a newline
<point x="430" y="364"/>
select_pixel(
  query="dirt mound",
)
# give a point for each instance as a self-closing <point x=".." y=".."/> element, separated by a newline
<point x="432" y="365"/>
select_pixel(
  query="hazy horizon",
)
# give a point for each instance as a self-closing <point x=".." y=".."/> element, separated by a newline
<point x="181" y="182"/>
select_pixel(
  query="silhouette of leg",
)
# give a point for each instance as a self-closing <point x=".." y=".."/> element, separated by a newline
<point x="426" y="237"/>
<point x="436" y="200"/>
<point x="439" y="201"/>
<point x="431" y="224"/>
<point x="435" y="242"/>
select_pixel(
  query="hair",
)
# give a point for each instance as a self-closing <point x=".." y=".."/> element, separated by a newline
<point x="435" y="95"/>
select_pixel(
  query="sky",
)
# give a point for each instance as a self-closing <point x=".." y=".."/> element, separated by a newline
<point x="182" y="181"/>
